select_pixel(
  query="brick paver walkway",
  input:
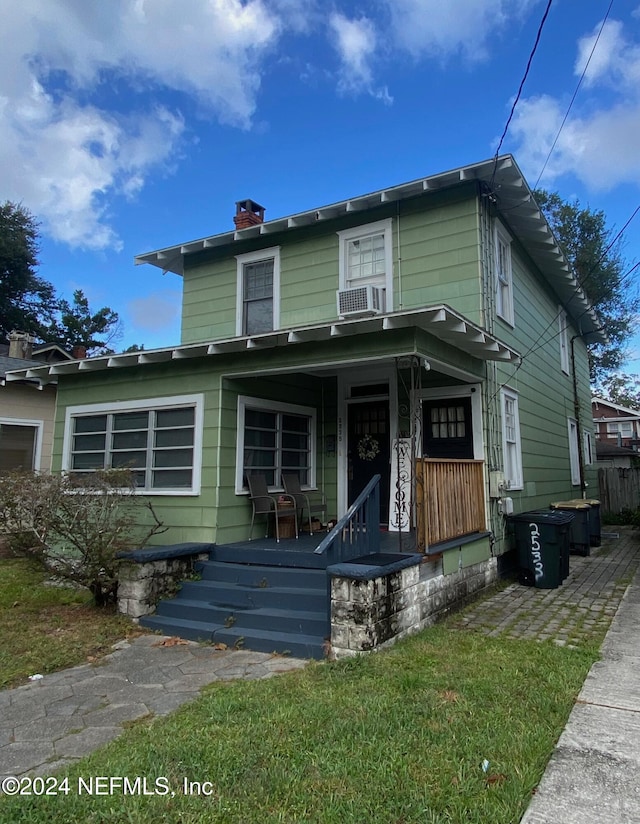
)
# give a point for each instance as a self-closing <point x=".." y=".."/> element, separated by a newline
<point x="578" y="612"/>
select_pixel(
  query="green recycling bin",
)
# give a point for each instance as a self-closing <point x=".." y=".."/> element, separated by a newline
<point x="595" y="521"/>
<point x="542" y="544"/>
<point x="580" y="539"/>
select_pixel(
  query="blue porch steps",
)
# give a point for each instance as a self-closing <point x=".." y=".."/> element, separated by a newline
<point x="267" y="600"/>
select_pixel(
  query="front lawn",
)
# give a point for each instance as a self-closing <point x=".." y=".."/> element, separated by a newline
<point x="448" y="727"/>
<point x="46" y="628"/>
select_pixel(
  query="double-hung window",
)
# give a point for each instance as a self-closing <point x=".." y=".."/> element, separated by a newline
<point x="258" y="289"/>
<point x="273" y="438"/>
<point x="511" y="446"/>
<point x="564" y="341"/>
<point x="366" y="258"/>
<point x="158" y="440"/>
<point x="20" y="444"/>
<point x="503" y="275"/>
<point x="574" y="454"/>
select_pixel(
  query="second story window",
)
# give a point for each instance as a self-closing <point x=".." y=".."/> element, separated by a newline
<point x="258" y="292"/>
<point x="564" y="341"/>
<point x="366" y="258"/>
<point x="503" y="275"/>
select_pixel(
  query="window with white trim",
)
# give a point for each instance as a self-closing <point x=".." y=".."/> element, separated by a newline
<point x="19" y="442"/>
<point x="258" y="290"/>
<point x="588" y="448"/>
<point x="625" y="428"/>
<point x="366" y="258"/>
<point x="564" y="341"/>
<point x="159" y="440"/>
<point x="574" y="455"/>
<point x="511" y="445"/>
<point x="274" y="438"/>
<point x="503" y="275"/>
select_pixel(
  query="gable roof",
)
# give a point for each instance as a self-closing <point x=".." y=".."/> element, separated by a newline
<point x="627" y="412"/>
<point x="505" y="185"/>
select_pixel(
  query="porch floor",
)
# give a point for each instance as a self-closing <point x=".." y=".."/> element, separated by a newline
<point x="303" y="547"/>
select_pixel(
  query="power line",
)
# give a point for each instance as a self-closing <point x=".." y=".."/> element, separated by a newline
<point x="522" y="82"/>
<point x="575" y="94"/>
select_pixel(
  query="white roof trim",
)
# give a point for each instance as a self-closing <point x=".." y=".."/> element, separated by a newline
<point x="514" y="201"/>
<point x="440" y="321"/>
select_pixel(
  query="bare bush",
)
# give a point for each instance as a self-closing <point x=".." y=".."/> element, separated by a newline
<point x="77" y="525"/>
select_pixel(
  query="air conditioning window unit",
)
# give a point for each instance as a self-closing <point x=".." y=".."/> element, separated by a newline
<point x="363" y="300"/>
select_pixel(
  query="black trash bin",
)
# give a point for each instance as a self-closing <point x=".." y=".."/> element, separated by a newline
<point x="542" y="545"/>
<point x="595" y="521"/>
<point x="580" y="539"/>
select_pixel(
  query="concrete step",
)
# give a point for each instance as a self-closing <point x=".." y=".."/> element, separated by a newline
<point x="245" y="597"/>
<point x="280" y="620"/>
<point x="298" y="646"/>
<point x="261" y="575"/>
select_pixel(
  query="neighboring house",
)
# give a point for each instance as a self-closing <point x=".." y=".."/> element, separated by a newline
<point x="26" y="415"/>
<point x="431" y="332"/>
<point x="611" y="455"/>
<point x="616" y="424"/>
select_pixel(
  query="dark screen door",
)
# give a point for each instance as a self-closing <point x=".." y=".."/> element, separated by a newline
<point x="369" y="451"/>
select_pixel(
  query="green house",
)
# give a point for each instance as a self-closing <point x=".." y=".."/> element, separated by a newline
<point x="431" y="333"/>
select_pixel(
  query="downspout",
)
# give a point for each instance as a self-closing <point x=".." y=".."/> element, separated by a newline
<point x="576" y="408"/>
<point x="400" y="296"/>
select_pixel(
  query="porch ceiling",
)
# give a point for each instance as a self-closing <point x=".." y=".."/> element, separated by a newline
<point x="440" y="321"/>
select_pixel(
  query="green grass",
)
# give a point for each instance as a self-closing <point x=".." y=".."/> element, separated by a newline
<point x="45" y="628"/>
<point x="397" y="737"/>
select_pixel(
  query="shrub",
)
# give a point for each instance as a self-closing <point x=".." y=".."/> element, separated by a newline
<point x="76" y="525"/>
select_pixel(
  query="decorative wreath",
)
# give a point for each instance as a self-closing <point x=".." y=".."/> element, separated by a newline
<point x="368" y="448"/>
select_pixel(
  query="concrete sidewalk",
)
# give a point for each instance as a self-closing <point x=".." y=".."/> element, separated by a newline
<point x="594" y="774"/>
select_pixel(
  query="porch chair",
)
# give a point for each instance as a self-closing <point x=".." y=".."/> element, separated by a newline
<point x="291" y="483"/>
<point x="265" y="504"/>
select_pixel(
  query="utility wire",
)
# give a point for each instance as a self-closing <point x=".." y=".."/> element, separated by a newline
<point x="522" y="82"/>
<point x="575" y="94"/>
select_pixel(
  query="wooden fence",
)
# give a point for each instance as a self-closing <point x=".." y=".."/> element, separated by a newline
<point x="449" y="499"/>
<point x="619" y="488"/>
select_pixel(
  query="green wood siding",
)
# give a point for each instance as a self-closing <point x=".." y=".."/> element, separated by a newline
<point x="436" y="259"/>
<point x="545" y="395"/>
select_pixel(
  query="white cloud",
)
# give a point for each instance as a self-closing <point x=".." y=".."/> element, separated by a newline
<point x="156" y="312"/>
<point x="599" y="142"/>
<point x="356" y="43"/>
<point x="61" y="154"/>
<point x="442" y="28"/>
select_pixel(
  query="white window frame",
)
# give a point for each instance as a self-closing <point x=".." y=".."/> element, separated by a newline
<point x="146" y="404"/>
<point x="503" y="280"/>
<point x="38" y="425"/>
<point x="272" y="253"/>
<point x="563" y="338"/>
<point x="588" y="447"/>
<point x="574" y="455"/>
<point x="246" y="401"/>
<point x="383" y="227"/>
<point x="511" y="446"/>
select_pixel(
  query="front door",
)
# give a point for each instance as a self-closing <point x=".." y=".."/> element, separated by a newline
<point x="369" y="450"/>
<point x="447" y="429"/>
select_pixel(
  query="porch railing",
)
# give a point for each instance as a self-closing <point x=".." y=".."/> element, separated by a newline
<point x="358" y="531"/>
<point x="449" y="499"/>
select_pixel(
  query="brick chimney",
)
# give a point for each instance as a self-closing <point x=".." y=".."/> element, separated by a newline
<point x="248" y="213"/>
<point x="21" y="345"/>
<point x="78" y="351"/>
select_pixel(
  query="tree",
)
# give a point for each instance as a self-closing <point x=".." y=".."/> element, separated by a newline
<point x="26" y="300"/>
<point x="621" y="388"/>
<point x="597" y="260"/>
<point x="76" y="526"/>
<point x="29" y="303"/>
<point x="77" y="325"/>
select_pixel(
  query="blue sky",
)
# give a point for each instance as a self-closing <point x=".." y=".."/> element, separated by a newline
<point x="130" y="125"/>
